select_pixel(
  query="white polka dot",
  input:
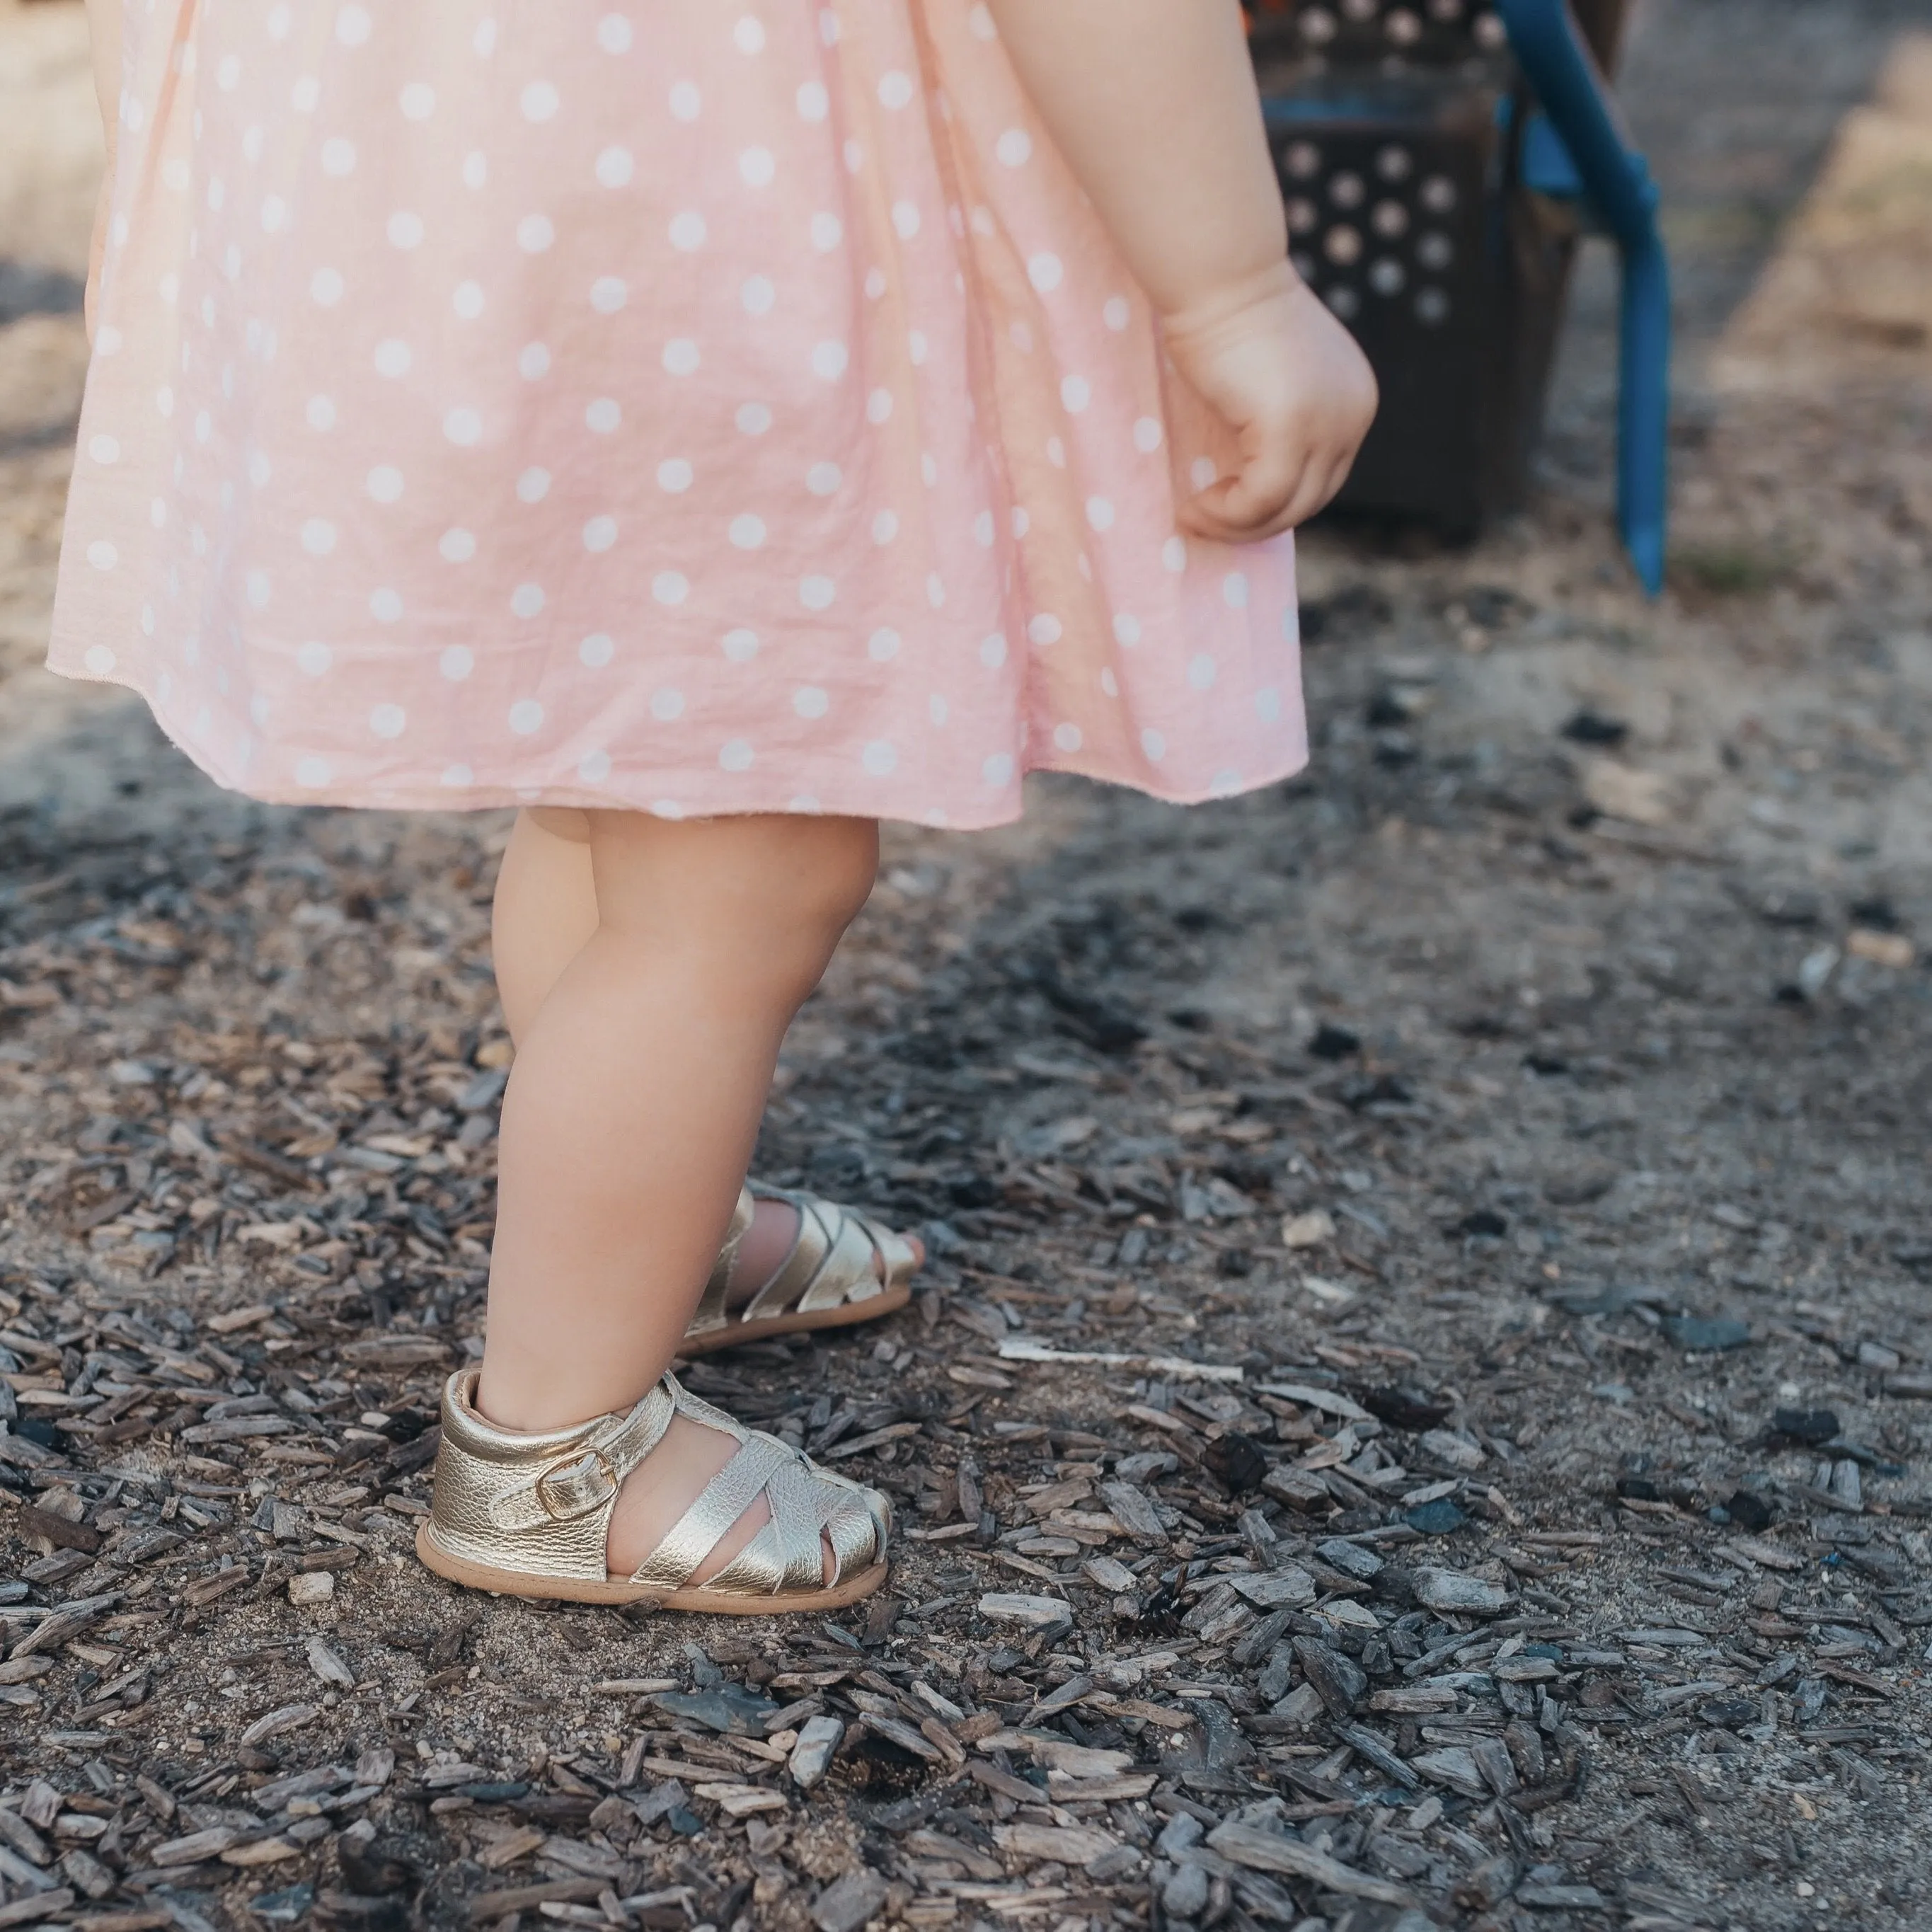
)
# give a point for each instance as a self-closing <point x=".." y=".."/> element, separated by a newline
<point x="687" y="104"/>
<point x="740" y="646"/>
<point x="984" y="530"/>
<point x="1267" y="704"/>
<point x="885" y="527"/>
<point x="937" y="708"/>
<point x="457" y="662"/>
<point x="993" y="651"/>
<point x="526" y="715"/>
<point x="1056" y="452"/>
<point x="388" y="721"/>
<point x="534" y="233"/>
<point x="748" y="532"/>
<point x="688" y="232"/>
<point x="1200" y="672"/>
<point x="594" y="767"/>
<point x="353" y="26"/>
<point x="384" y="483"/>
<point x="759" y="295"/>
<point x="814" y="103"/>
<point x="666" y="807"/>
<point x="753" y="418"/>
<point x="608" y="294"/>
<point x="394" y="359"/>
<point x="1148" y="435"/>
<point x="463" y="427"/>
<point x="103" y="449"/>
<point x="883" y="645"/>
<point x="527" y="599"/>
<point x="998" y="769"/>
<point x="735" y="755"/>
<point x="1046" y="272"/>
<point x="311" y="774"/>
<point x="1127" y="630"/>
<point x="880" y="758"/>
<point x="748" y="35"/>
<point x="604" y="415"/>
<point x="533" y="485"/>
<point x="1014" y="147"/>
<point x="313" y="659"/>
<point x="533" y="362"/>
<point x="757" y="167"/>
<point x="600" y="533"/>
<point x="816" y="593"/>
<point x="829" y="360"/>
<point x="405" y="230"/>
<point x="1109" y="683"/>
<point x="386" y="606"/>
<point x="917" y="349"/>
<point x="99" y="660"/>
<point x="615" y="167"/>
<point x="1154" y="745"/>
<point x="1117" y="313"/>
<point x="1045" y="629"/>
<point x="539" y="101"/>
<point x="318" y="536"/>
<point x="275" y="214"/>
<point x="1174" y="554"/>
<point x="682" y="357"/>
<point x="613" y="34"/>
<point x="879" y="407"/>
<point x="1076" y="394"/>
<point x="467" y="301"/>
<point x="338" y="157"/>
<point x="475" y="177"/>
<point x="669" y="586"/>
<point x="1067" y="738"/>
<point x="675" y="476"/>
<point x="596" y="651"/>
<point x="417" y="101"/>
<point x="809" y="701"/>
<point x="1235" y="590"/>
<point x="906" y="219"/>
<point x="1203" y="472"/>
<point x="896" y="90"/>
<point x="823" y="479"/>
<point x="935" y="590"/>
<point x="827" y="232"/>
<point x="1099" y="513"/>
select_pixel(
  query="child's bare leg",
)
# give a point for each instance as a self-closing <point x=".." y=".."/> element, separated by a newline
<point x="546" y="910"/>
<point x="630" y="1117"/>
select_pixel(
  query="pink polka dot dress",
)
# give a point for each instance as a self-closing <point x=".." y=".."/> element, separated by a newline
<point x="683" y="405"/>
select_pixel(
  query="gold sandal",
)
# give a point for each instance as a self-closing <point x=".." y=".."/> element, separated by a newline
<point x="529" y="1516"/>
<point x="829" y="1280"/>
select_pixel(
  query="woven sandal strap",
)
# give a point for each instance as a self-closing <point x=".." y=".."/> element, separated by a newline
<point x="786" y="1554"/>
<point x="850" y="1273"/>
<point x="712" y="1312"/>
<point x="722" y="1501"/>
<point x="804" y="1259"/>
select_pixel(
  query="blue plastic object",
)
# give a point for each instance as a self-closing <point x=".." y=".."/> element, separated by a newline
<point x="1581" y="148"/>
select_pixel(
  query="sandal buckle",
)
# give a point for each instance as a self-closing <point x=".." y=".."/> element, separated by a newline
<point x="570" y="1490"/>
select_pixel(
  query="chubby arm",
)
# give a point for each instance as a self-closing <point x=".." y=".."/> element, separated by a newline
<point x="1153" y="103"/>
<point x="1154" y="106"/>
<point x="104" y="23"/>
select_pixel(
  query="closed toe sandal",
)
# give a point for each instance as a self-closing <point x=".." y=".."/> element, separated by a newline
<point x="529" y="1515"/>
<point x="831" y="1278"/>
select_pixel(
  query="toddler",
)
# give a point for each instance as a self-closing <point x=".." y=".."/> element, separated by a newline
<point x="710" y="427"/>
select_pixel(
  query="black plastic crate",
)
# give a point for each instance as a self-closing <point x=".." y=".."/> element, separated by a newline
<point x="1397" y="131"/>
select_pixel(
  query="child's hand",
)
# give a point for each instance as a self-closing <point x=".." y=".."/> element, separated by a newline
<point x="1290" y="382"/>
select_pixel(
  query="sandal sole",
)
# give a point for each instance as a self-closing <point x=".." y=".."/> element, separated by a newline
<point x="573" y="1590"/>
<point x="874" y="1308"/>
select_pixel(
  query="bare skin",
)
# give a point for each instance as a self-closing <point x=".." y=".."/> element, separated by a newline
<point x="545" y="912"/>
<point x="650" y="1005"/>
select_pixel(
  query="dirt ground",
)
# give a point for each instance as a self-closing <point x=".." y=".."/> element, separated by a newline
<point x="1486" y="1156"/>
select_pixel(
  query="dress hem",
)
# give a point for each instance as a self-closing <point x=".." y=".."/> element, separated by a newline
<point x="483" y="797"/>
